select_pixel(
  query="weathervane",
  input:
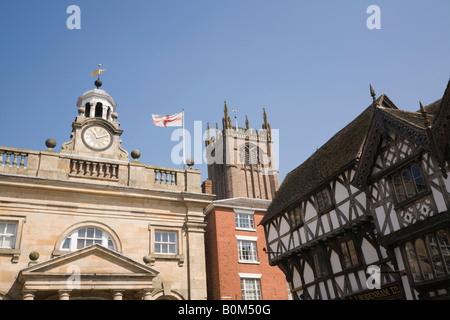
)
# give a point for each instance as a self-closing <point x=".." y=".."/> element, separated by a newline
<point x="98" y="82"/>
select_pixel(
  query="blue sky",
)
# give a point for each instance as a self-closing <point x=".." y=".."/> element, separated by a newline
<point x="309" y="63"/>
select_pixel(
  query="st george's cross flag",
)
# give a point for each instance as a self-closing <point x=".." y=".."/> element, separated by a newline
<point x="175" y="120"/>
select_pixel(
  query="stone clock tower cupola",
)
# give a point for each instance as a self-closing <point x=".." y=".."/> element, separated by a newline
<point x="95" y="131"/>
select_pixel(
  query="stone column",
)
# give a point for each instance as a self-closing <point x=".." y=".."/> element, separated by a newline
<point x="147" y="294"/>
<point x="117" y="294"/>
<point x="28" y="294"/>
<point x="64" y="294"/>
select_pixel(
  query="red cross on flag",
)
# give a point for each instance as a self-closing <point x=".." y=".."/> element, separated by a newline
<point x="174" y="120"/>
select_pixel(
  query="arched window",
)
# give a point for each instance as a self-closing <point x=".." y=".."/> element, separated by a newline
<point x="87" y="110"/>
<point x="98" y="110"/>
<point x="85" y="237"/>
<point x="249" y="155"/>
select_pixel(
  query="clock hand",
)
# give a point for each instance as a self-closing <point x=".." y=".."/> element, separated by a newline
<point x="105" y="135"/>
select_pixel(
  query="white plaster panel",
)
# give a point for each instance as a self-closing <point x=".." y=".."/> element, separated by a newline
<point x="272" y="233"/>
<point x="363" y="279"/>
<point x="284" y="226"/>
<point x="308" y="274"/>
<point x="340" y="281"/>
<point x="370" y="254"/>
<point x="334" y="220"/>
<point x="341" y="192"/>
<point x="325" y="224"/>
<point x="335" y="263"/>
<point x="438" y="198"/>
<point x="331" y="289"/>
<point x="310" y="212"/>
<point x="353" y="282"/>
<point x="312" y="226"/>
<point x="345" y="207"/>
<point x="323" y="291"/>
<point x="296" y="280"/>
<point x="302" y="234"/>
<point x="285" y="241"/>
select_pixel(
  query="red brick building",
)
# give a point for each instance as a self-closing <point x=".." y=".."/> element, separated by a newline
<point x="243" y="178"/>
<point x="237" y="266"/>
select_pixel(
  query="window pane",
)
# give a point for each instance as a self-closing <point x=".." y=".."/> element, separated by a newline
<point x="157" y="248"/>
<point x="11" y="228"/>
<point x="251" y="289"/>
<point x="326" y="198"/>
<point x="424" y="259"/>
<point x="349" y="253"/>
<point x="164" y="248"/>
<point x="435" y="255"/>
<point x="89" y="242"/>
<point x="401" y="196"/>
<point x="444" y="245"/>
<point x="2" y="228"/>
<point x="98" y="233"/>
<point x="157" y="236"/>
<point x="165" y="237"/>
<point x="8" y="242"/>
<point x="66" y="244"/>
<point x="90" y="233"/>
<point x="320" y="264"/>
<point x="409" y="186"/>
<point x="172" y="249"/>
<point x="82" y="233"/>
<point x="80" y="244"/>
<point x="320" y="203"/>
<point x="413" y="262"/>
<point x="247" y="251"/>
<point x="110" y="244"/>
<point x="417" y="174"/>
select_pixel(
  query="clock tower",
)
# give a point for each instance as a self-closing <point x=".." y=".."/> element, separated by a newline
<point x="95" y="131"/>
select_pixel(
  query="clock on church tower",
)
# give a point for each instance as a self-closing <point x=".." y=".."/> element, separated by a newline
<point x="95" y="131"/>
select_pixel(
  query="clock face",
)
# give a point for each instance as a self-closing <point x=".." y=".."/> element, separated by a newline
<point x="97" y="138"/>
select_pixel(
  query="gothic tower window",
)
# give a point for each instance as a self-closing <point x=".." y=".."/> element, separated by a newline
<point x="249" y="155"/>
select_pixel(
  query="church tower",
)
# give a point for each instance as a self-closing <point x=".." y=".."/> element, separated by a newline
<point x="241" y="160"/>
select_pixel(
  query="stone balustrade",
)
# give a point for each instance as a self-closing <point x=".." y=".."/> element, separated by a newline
<point x="50" y="164"/>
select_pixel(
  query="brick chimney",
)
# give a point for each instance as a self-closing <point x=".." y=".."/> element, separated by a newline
<point x="207" y="186"/>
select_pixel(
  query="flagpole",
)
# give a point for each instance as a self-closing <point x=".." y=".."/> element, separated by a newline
<point x="184" y="144"/>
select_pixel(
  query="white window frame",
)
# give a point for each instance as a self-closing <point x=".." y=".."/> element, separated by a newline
<point x="167" y="243"/>
<point x="4" y="234"/>
<point x="154" y="256"/>
<point x="14" y="251"/>
<point x="254" y="249"/>
<point x="74" y="236"/>
<point x="251" y="217"/>
<point x="246" y="280"/>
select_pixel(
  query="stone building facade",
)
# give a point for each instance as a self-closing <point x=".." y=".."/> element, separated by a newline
<point x="88" y="223"/>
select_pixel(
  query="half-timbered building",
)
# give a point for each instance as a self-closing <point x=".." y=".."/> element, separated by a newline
<point x="367" y="215"/>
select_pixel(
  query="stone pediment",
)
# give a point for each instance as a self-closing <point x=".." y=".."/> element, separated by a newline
<point x="93" y="267"/>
